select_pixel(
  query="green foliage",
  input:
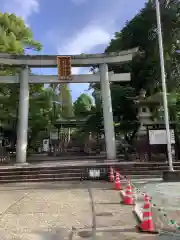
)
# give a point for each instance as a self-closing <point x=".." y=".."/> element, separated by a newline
<point x="124" y="110"/>
<point x="83" y="106"/>
<point x="41" y="114"/>
<point x="141" y="32"/>
<point x="15" y="36"/>
<point x="94" y="122"/>
<point x="66" y="101"/>
<point x="177" y="110"/>
<point x="122" y="101"/>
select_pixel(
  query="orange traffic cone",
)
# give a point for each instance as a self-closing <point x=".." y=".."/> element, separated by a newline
<point x="111" y="174"/>
<point x="128" y="197"/>
<point x="117" y="185"/>
<point x="146" y="197"/>
<point x="147" y="222"/>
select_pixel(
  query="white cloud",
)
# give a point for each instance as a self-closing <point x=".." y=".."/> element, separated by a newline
<point x="22" y="8"/>
<point x="95" y="35"/>
<point x="84" y="42"/>
<point x="104" y="20"/>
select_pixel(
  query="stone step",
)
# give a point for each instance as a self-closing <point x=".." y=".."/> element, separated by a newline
<point x="58" y="179"/>
<point x="80" y="166"/>
<point x="143" y="177"/>
<point x="140" y="172"/>
<point x="59" y="170"/>
<point x="64" y="176"/>
<point x="20" y="171"/>
<point x="39" y="171"/>
<point x="69" y="173"/>
<point x="38" y="176"/>
<point x="39" y="180"/>
<point x="77" y="173"/>
<point x="146" y="169"/>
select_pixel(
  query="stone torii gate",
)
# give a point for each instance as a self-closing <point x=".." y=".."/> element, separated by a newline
<point x="50" y="61"/>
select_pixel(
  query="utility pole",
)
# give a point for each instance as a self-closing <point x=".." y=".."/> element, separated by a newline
<point x="164" y="90"/>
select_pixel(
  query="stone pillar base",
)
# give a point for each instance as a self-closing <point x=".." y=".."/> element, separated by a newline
<point x="21" y="164"/>
<point x="171" y="176"/>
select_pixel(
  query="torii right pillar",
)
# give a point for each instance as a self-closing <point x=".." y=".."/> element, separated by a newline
<point x="107" y="113"/>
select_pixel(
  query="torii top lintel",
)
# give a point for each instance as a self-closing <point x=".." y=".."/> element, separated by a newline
<point x="82" y="60"/>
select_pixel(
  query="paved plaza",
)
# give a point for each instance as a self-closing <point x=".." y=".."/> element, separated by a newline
<point x="75" y="211"/>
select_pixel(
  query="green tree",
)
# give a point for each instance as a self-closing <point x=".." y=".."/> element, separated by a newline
<point x="65" y="99"/>
<point x="141" y="32"/>
<point x="15" y="37"/>
<point x="124" y="111"/>
<point x="83" y="106"/>
<point x="41" y="114"/>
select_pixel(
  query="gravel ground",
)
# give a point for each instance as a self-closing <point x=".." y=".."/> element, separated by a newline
<point x="74" y="211"/>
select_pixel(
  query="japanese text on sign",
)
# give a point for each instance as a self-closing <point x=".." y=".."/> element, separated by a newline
<point x="64" y="67"/>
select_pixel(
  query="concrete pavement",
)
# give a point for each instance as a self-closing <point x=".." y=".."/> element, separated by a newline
<point x="66" y="210"/>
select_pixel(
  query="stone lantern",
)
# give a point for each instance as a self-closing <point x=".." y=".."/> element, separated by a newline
<point x="144" y="114"/>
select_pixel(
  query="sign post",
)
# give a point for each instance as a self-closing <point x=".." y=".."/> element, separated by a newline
<point x="158" y="137"/>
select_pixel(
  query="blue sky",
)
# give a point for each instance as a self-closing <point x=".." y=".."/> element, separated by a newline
<point x="73" y="26"/>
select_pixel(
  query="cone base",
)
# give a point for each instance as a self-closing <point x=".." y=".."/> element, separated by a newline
<point x="122" y="202"/>
<point x="128" y="201"/>
<point x="118" y="187"/>
<point x="146" y="231"/>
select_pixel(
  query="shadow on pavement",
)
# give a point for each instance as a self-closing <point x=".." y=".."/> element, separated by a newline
<point x="55" y="234"/>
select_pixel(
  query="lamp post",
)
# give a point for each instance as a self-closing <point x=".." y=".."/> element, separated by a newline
<point x="163" y="79"/>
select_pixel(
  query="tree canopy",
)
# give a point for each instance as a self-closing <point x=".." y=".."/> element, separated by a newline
<point x="141" y="31"/>
<point x="66" y="101"/>
<point x="15" y="36"/>
<point x="83" y="105"/>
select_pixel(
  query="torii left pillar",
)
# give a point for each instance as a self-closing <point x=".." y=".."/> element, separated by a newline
<point x="107" y="113"/>
<point x="22" y="130"/>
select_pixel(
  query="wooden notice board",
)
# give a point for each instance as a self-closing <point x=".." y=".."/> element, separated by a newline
<point x="64" y="67"/>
